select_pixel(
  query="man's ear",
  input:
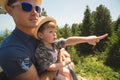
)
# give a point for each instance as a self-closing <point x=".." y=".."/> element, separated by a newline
<point x="8" y="9"/>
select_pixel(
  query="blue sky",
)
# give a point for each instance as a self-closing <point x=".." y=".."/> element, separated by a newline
<point x="67" y="11"/>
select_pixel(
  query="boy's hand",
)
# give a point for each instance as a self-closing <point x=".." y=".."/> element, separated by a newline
<point x="102" y="37"/>
<point x="93" y="40"/>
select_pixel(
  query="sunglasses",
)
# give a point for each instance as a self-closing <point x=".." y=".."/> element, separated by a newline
<point x="27" y="7"/>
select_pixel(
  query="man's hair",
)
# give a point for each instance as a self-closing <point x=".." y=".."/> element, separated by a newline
<point x="10" y="2"/>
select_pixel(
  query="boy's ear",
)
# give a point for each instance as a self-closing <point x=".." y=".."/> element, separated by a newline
<point x="40" y="35"/>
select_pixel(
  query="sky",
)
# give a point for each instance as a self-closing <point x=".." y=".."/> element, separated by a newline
<point x="67" y="11"/>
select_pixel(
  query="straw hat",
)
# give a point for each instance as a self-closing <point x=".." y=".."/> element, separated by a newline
<point x="4" y="2"/>
<point x="42" y="20"/>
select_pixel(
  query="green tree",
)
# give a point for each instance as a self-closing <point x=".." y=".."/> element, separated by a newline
<point x="75" y="29"/>
<point x="102" y="20"/>
<point x="113" y="49"/>
<point x="43" y="12"/>
<point x="66" y="31"/>
<point x="87" y="23"/>
<point x="117" y="24"/>
<point x="76" y="32"/>
<point x="6" y="33"/>
<point x="2" y="11"/>
<point x="1" y="38"/>
<point x="59" y="32"/>
<point x="86" y="31"/>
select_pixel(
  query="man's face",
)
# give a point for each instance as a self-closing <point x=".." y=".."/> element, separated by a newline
<point x="25" y="19"/>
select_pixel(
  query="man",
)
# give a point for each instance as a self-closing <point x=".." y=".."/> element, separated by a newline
<point x="17" y="50"/>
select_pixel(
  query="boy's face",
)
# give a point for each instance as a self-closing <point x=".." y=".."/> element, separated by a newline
<point x="48" y="35"/>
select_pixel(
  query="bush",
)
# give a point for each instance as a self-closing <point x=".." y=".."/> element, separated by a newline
<point x="93" y="69"/>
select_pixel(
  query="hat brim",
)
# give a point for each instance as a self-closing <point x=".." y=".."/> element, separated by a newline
<point x="4" y="2"/>
<point x="42" y="20"/>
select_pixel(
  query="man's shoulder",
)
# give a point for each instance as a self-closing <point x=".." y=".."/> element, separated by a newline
<point x="12" y="45"/>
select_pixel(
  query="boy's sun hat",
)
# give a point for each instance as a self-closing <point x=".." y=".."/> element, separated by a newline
<point x="42" y="20"/>
<point x="4" y="2"/>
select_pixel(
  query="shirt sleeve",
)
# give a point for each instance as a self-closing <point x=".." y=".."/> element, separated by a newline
<point x="60" y="43"/>
<point x="15" y="61"/>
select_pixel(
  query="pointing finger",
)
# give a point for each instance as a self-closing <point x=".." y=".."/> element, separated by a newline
<point x="103" y="36"/>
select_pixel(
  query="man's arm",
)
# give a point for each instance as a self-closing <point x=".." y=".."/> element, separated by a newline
<point x="32" y="74"/>
<point x="48" y="75"/>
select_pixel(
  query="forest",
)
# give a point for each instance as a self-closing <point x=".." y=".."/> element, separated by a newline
<point x="100" y="62"/>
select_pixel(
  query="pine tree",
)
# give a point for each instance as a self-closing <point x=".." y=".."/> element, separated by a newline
<point x="86" y="31"/>
<point x="66" y="32"/>
<point x="102" y="20"/>
<point x="86" y="26"/>
<point x="43" y="13"/>
<point x="75" y="30"/>
<point x="117" y="24"/>
<point x="113" y="49"/>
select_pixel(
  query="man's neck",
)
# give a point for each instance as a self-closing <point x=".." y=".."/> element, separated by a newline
<point x="29" y="31"/>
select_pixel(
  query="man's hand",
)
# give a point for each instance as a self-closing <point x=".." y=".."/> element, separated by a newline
<point x="64" y="53"/>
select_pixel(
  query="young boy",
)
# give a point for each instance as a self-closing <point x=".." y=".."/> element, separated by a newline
<point x="49" y="47"/>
